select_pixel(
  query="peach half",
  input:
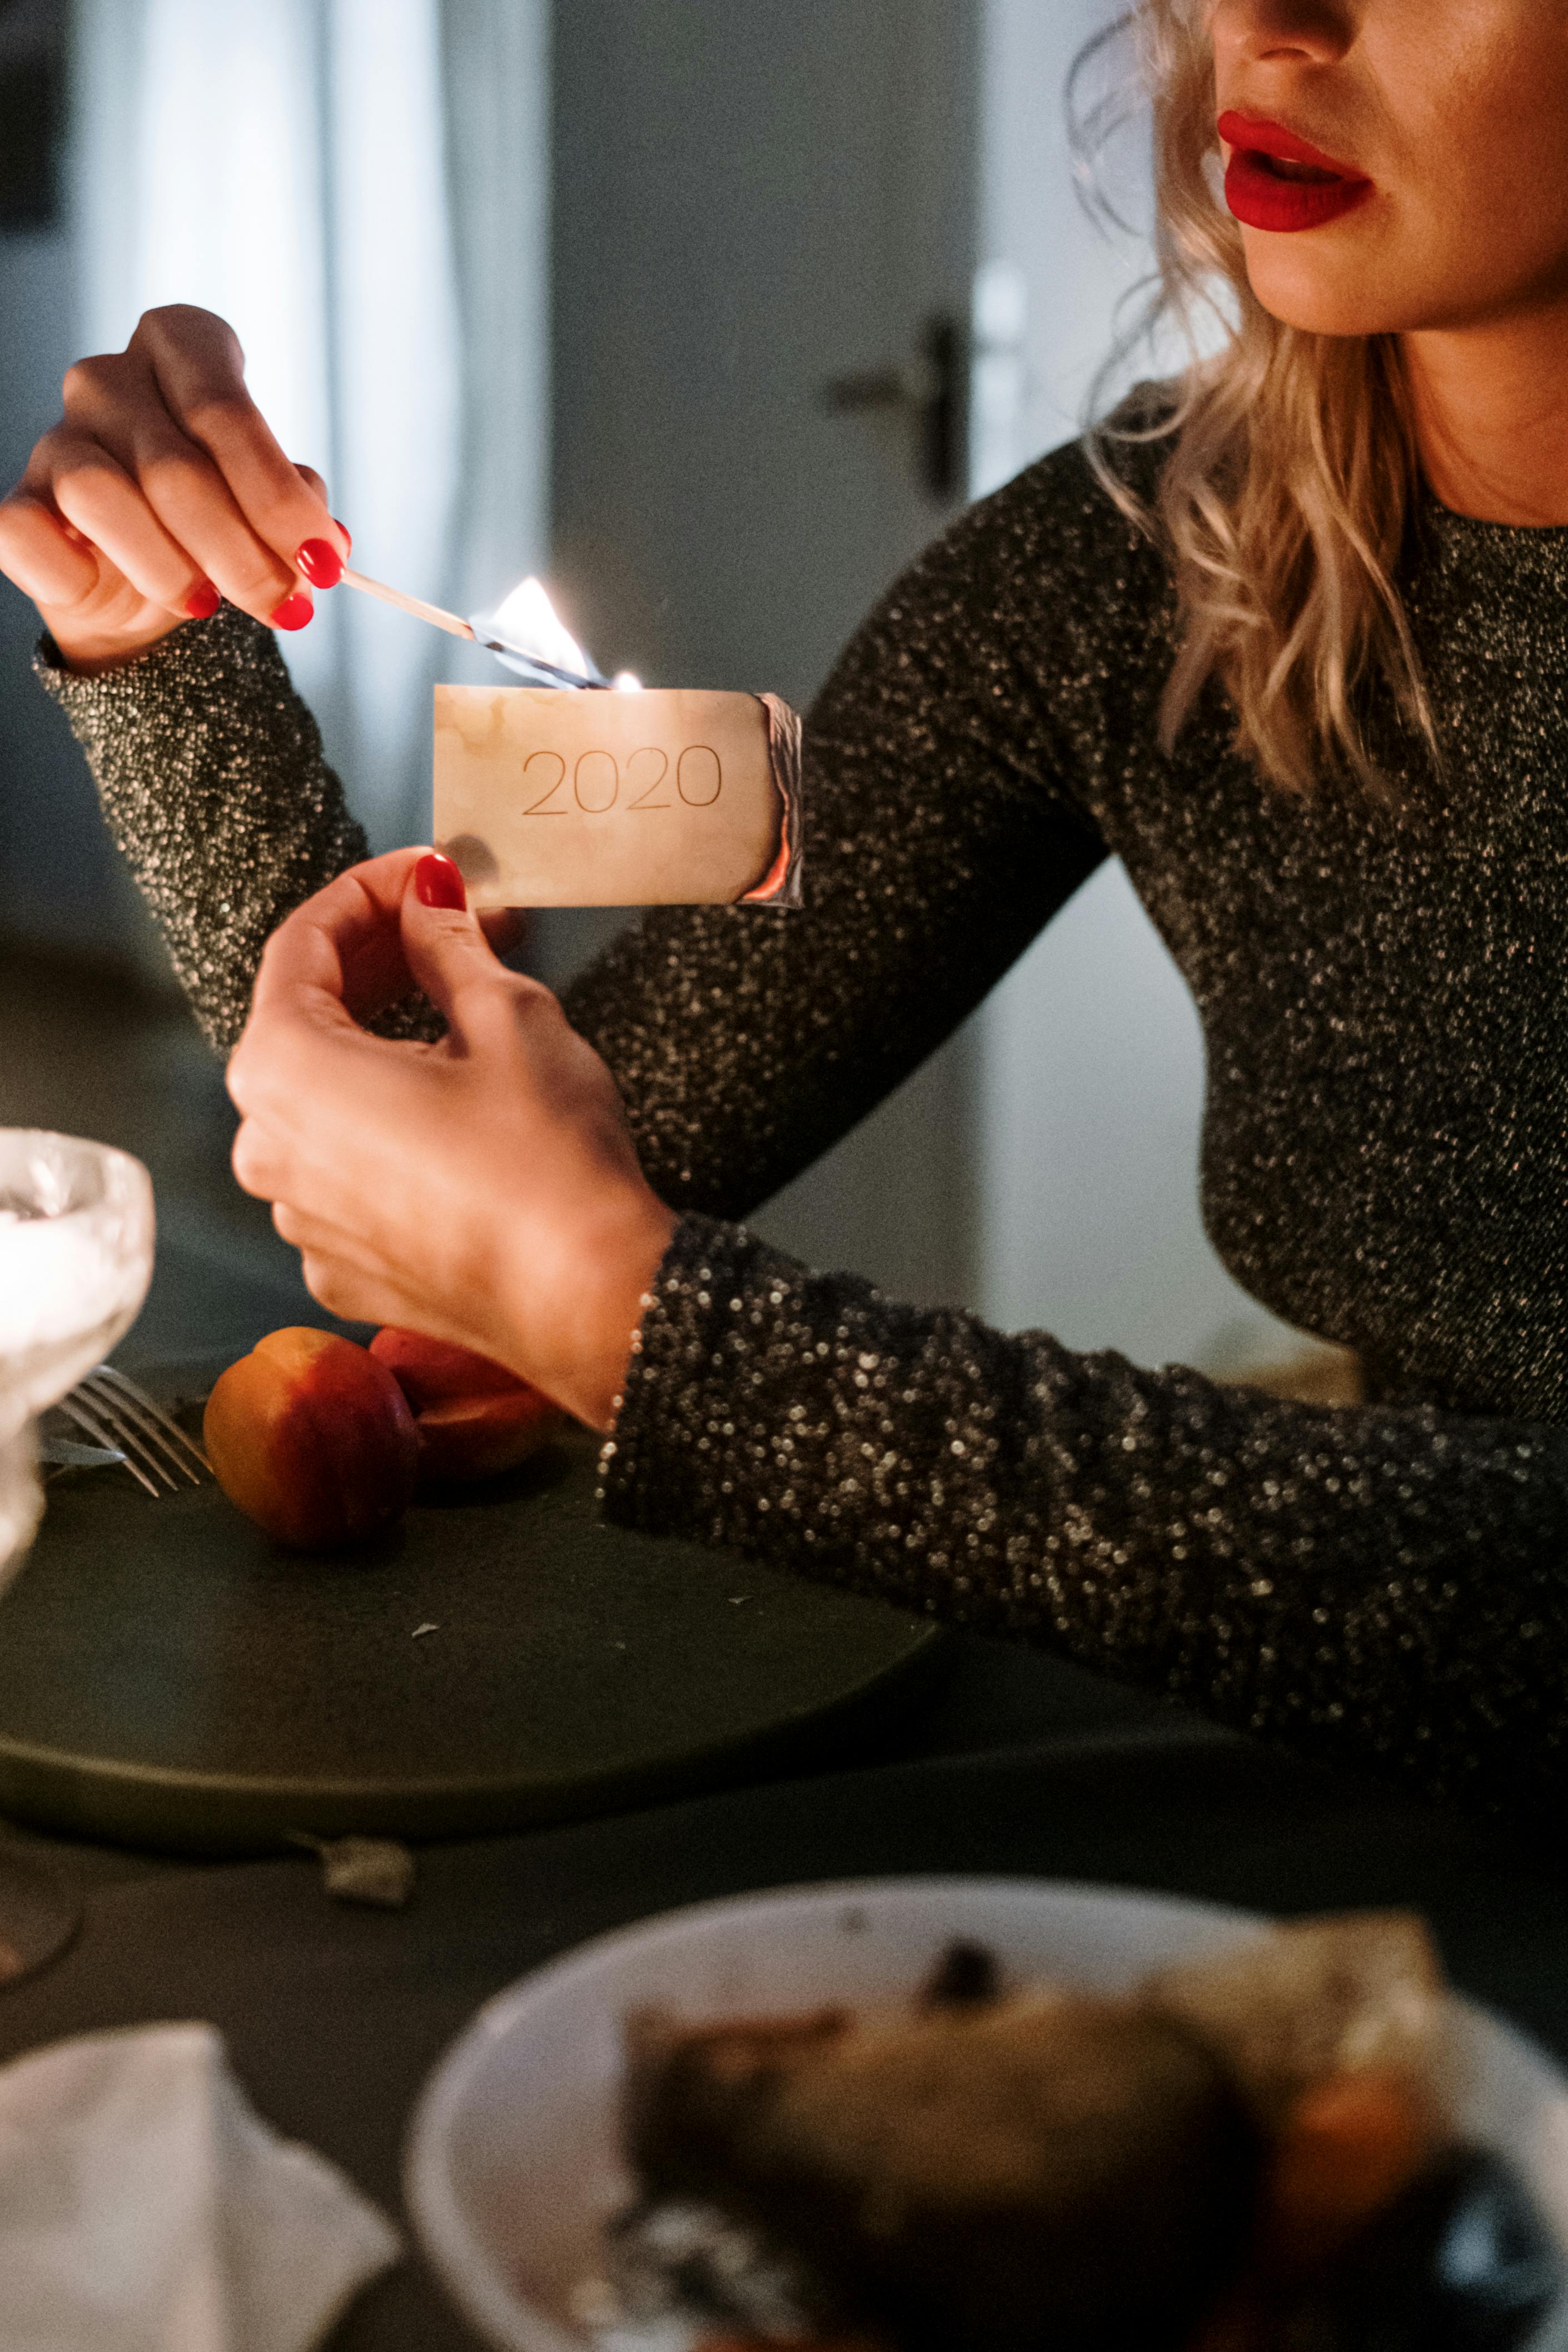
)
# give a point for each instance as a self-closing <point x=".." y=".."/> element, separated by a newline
<point x="475" y="1418"/>
<point x="432" y="1371"/>
<point x="478" y="1437"/>
<point x="313" y="1439"/>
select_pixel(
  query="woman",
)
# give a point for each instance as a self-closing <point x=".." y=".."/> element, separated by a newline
<point x="1299" y="660"/>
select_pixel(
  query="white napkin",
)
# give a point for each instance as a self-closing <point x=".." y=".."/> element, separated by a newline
<point x="145" y="2206"/>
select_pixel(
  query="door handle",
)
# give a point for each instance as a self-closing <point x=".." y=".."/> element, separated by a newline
<point x="929" y="391"/>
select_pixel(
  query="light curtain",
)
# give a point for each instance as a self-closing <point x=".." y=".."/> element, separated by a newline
<point x="358" y="185"/>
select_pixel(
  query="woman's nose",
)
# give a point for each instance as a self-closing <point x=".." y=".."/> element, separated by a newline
<point x="1262" y="32"/>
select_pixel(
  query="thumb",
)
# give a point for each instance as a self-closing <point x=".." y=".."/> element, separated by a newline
<point x="445" y="949"/>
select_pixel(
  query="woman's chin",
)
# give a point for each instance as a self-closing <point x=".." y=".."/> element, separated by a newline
<point x="1314" y="296"/>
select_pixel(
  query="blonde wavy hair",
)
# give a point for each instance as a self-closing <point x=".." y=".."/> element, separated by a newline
<point x="1285" y="502"/>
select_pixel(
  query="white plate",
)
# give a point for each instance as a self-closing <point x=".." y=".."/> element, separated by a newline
<point x="513" y="2163"/>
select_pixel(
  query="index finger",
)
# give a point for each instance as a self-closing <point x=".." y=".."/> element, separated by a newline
<point x="317" y="961"/>
<point x="199" y="368"/>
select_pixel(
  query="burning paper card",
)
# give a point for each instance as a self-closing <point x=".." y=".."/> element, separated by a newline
<point x="575" y="792"/>
<point x="570" y="793"/>
<point x="547" y="798"/>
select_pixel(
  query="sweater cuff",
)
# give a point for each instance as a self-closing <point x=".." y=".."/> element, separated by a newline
<point x="185" y="667"/>
<point x="701" y="1362"/>
<point x="757" y="1413"/>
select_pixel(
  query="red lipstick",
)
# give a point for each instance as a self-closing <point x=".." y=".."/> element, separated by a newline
<point x="1314" y="190"/>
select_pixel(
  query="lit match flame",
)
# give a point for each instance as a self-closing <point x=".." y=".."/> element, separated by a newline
<point x="526" y="623"/>
<point x="525" y="632"/>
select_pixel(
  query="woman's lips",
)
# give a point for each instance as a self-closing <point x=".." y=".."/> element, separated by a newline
<point x="1313" y="189"/>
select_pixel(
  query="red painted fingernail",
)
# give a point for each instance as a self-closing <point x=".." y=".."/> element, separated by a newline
<point x="348" y="534"/>
<point x="320" y="563"/>
<point x="203" y="601"/>
<point x="293" y="612"/>
<point x="438" y="883"/>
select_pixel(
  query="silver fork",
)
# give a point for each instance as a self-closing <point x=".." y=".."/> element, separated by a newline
<point x="125" y="1421"/>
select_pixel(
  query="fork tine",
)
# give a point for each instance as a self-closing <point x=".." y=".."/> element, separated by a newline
<point x="159" y="1426"/>
<point x="128" y="1435"/>
<point x="124" y="1434"/>
<point x="96" y="1429"/>
<point x="133" y="1435"/>
<point x="152" y="1410"/>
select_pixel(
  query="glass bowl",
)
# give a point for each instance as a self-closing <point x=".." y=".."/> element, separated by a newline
<point x="76" y="1258"/>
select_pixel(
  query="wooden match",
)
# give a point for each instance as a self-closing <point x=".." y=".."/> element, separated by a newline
<point x="458" y="628"/>
<point x="421" y="611"/>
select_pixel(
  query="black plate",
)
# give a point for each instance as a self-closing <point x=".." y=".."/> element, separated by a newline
<point x="169" y="1676"/>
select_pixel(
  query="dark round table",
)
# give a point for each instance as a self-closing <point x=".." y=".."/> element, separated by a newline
<point x="334" y="2015"/>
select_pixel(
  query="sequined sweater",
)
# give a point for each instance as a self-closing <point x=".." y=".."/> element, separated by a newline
<point x="1385" y="1158"/>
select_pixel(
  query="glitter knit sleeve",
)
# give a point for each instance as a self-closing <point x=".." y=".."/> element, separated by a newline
<point x="1377" y="1585"/>
<point x="215" y="789"/>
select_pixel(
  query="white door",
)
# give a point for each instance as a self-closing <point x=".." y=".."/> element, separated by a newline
<point x="757" y="200"/>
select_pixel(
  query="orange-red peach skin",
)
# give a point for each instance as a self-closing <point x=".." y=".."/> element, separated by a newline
<point x="313" y="1439"/>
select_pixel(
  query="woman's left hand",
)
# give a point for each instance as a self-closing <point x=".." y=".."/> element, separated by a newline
<point x="483" y="1189"/>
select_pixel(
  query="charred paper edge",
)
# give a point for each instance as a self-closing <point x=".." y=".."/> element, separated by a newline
<point x="782" y="887"/>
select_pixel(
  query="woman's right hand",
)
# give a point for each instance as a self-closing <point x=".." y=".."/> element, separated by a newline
<point x="160" y="491"/>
